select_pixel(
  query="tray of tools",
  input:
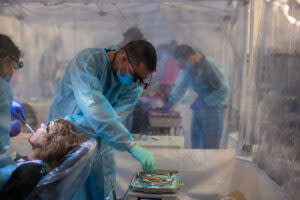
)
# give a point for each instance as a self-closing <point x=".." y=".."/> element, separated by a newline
<point x="158" y="118"/>
<point x="157" y="182"/>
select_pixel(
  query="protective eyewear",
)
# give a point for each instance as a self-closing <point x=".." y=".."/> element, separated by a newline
<point x="145" y="83"/>
<point x="19" y="64"/>
<point x="48" y="125"/>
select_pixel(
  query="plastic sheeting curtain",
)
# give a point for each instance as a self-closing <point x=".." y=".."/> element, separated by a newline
<point x="275" y="76"/>
<point x="257" y="43"/>
<point x="269" y="116"/>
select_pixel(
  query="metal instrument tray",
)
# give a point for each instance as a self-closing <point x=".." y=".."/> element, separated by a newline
<point x="157" y="182"/>
<point x="159" y="118"/>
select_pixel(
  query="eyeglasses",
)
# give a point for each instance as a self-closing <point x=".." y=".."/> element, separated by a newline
<point x="145" y="83"/>
<point x="47" y="127"/>
<point x="19" y="64"/>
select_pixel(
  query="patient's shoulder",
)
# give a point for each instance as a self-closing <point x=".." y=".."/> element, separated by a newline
<point x="23" y="180"/>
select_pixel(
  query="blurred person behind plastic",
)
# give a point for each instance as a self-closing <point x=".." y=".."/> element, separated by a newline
<point x="49" y="66"/>
<point x="208" y="80"/>
<point x="133" y="33"/>
<point x="168" y="69"/>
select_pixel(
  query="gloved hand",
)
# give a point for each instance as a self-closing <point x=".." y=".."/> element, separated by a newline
<point x="17" y="110"/>
<point x="144" y="157"/>
<point x="167" y="107"/>
<point x="145" y="106"/>
<point x="197" y="105"/>
<point x="15" y="128"/>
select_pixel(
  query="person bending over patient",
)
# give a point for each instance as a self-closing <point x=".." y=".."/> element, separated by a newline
<point x="50" y="144"/>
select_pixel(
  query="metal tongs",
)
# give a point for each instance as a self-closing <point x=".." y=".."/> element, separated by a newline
<point x="155" y="179"/>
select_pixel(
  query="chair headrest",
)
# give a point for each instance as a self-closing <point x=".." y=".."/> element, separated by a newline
<point x="71" y="161"/>
<point x="63" y="181"/>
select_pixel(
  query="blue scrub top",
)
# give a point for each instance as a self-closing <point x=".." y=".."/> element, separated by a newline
<point x="207" y="79"/>
<point x="5" y="114"/>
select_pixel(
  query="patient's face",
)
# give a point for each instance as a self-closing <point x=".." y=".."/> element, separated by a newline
<point x="39" y="138"/>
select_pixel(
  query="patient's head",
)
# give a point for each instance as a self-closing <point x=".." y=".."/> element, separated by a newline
<point x="52" y="142"/>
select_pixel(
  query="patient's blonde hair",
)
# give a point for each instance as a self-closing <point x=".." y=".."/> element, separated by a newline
<point x="61" y="139"/>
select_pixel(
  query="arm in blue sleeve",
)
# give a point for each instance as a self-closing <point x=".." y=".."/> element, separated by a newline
<point x="181" y="86"/>
<point x="81" y="124"/>
<point x="127" y="102"/>
<point x="5" y="117"/>
<point x="99" y="113"/>
<point x="7" y="166"/>
<point x="218" y="81"/>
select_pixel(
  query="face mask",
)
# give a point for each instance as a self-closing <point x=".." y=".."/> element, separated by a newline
<point x="125" y="80"/>
<point x="8" y="79"/>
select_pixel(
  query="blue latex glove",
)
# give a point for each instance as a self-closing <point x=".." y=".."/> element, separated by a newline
<point x="167" y="106"/>
<point x="144" y="157"/>
<point x="197" y="105"/>
<point x="145" y="106"/>
<point x="17" y="110"/>
<point x="15" y="128"/>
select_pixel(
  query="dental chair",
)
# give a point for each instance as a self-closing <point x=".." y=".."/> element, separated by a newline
<point x="63" y="181"/>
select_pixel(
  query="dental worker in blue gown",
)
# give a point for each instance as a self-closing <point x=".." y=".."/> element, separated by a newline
<point x="205" y="76"/>
<point x="9" y="64"/>
<point x="101" y="87"/>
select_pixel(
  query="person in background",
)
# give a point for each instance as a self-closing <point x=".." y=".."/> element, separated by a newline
<point x="10" y="62"/>
<point x="169" y="68"/>
<point x="49" y="67"/>
<point x="133" y="33"/>
<point x="102" y="86"/>
<point x="205" y="76"/>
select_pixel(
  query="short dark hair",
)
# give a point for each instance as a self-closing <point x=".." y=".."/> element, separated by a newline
<point x="183" y="52"/>
<point x="141" y="51"/>
<point x="8" y="47"/>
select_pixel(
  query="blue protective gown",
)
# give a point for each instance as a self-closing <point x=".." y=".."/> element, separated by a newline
<point x="7" y="166"/>
<point x="5" y="114"/>
<point x="210" y="83"/>
<point x="90" y="90"/>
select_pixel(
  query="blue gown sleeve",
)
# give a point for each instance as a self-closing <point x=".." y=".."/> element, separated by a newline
<point x="127" y="102"/>
<point x="98" y="112"/>
<point x="182" y="84"/>
<point x="218" y="81"/>
<point x="5" y="117"/>
<point x="7" y="166"/>
<point x="81" y="124"/>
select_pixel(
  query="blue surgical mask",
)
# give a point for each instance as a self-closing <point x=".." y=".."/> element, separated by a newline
<point x="8" y="79"/>
<point x="125" y="80"/>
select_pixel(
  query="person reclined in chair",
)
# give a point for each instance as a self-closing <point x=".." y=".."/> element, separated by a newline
<point x="50" y="144"/>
